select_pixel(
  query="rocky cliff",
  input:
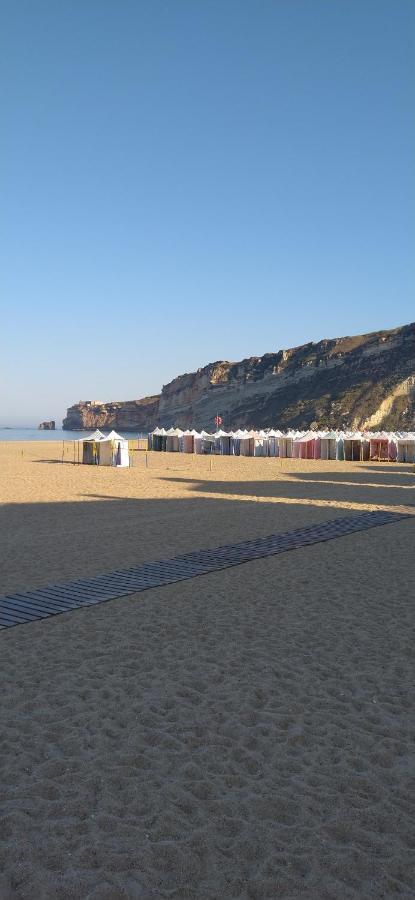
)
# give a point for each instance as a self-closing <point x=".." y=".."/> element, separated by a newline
<point x="122" y="415"/>
<point x="366" y="381"/>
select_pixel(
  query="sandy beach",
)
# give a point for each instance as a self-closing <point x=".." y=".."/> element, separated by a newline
<point x="247" y="734"/>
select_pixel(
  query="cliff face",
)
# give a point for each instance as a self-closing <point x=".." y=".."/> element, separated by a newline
<point x="123" y="415"/>
<point x="366" y="381"/>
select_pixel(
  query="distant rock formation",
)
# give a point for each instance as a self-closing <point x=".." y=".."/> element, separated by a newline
<point x="47" y="426"/>
<point x="128" y="415"/>
<point x="351" y="382"/>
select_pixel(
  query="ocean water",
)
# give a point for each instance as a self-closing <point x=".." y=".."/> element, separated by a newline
<point x="33" y="434"/>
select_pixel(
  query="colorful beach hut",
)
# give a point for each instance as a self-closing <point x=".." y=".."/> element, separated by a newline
<point x="306" y="446"/>
<point x="223" y="443"/>
<point x="353" y="444"/>
<point x="247" y="443"/>
<point x="340" y="446"/>
<point x="187" y="441"/>
<point x="236" y="437"/>
<point x="173" y="436"/>
<point x="157" y="439"/>
<point x="286" y="442"/>
<point x="261" y="443"/>
<point x="328" y="444"/>
<point x="272" y="441"/>
<point x="379" y="446"/>
<point x="405" y="447"/>
<point x="204" y="443"/>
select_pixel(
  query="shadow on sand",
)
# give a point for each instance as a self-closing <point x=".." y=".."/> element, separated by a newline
<point x="314" y="487"/>
<point x="45" y="543"/>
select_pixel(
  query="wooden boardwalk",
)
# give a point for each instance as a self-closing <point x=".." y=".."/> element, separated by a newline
<point x="29" y="606"/>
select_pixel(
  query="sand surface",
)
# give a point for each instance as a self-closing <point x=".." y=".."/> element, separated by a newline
<point x="248" y="734"/>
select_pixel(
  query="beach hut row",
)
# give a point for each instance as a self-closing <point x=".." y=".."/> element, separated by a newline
<point x="335" y="445"/>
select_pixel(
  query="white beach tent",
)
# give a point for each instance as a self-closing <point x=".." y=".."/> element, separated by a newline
<point x="95" y="436"/>
<point x="113" y="450"/>
<point x="90" y="452"/>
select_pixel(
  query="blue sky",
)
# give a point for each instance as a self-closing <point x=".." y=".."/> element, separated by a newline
<point x="187" y="181"/>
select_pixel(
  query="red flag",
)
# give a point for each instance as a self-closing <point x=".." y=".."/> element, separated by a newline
<point x="218" y="420"/>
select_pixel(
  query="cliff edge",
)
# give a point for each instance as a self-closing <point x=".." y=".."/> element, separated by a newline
<point x="365" y="381"/>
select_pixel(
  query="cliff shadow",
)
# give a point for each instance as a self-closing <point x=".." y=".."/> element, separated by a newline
<point x="369" y="477"/>
<point x="45" y="543"/>
<point x="312" y="488"/>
